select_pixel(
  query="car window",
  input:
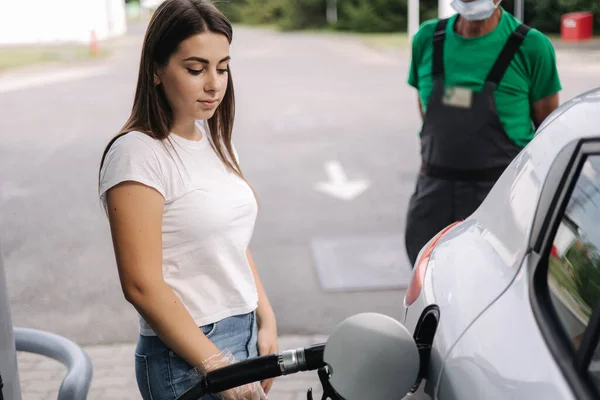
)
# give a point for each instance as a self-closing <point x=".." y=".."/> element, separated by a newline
<point x="594" y="367"/>
<point x="574" y="262"/>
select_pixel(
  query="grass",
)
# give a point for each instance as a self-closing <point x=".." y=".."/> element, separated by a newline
<point x="385" y="41"/>
<point x="557" y="270"/>
<point x="400" y="40"/>
<point x="390" y="41"/>
<point x="21" y="56"/>
<point x="380" y="41"/>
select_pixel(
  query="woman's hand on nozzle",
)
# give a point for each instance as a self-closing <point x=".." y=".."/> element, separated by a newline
<point x="250" y="391"/>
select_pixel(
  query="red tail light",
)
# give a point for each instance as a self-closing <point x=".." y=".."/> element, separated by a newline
<point x="416" y="284"/>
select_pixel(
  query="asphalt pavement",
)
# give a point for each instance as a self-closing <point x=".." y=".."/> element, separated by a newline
<point x="326" y="130"/>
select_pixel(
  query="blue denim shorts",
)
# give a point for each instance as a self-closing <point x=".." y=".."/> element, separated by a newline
<point x="163" y="375"/>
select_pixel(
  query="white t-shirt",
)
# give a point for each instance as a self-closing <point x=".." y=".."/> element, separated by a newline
<point x="208" y="221"/>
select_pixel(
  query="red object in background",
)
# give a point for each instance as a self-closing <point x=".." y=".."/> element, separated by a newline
<point x="554" y="252"/>
<point x="576" y="26"/>
<point x="93" y="44"/>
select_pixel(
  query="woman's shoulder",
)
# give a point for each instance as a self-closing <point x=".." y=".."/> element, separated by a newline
<point x="133" y="156"/>
<point x="135" y="142"/>
<point x="138" y="146"/>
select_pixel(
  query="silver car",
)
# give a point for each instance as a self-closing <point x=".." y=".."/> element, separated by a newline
<point x="505" y="304"/>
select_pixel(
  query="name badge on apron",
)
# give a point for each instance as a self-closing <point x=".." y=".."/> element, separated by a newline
<point x="458" y="97"/>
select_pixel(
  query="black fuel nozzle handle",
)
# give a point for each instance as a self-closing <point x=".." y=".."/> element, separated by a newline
<point x="258" y="369"/>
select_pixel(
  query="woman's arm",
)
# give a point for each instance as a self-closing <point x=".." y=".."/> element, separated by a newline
<point x="135" y="215"/>
<point x="264" y="313"/>
<point x="267" y="324"/>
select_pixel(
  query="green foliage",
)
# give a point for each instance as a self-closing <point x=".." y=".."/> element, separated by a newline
<point x="592" y="6"/>
<point x="428" y="9"/>
<point x="586" y="265"/>
<point x="252" y="11"/>
<point x="303" y="14"/>
<point x="373" y="15"/>
<point x="383" y="15"/>
<point x="545" y="15"/>
<point x="232" y="9"/>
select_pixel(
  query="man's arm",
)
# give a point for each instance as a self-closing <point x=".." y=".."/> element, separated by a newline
<point x="413" y="71"/>
<point x="542" y="108"/>
<point x="545" y="82"/>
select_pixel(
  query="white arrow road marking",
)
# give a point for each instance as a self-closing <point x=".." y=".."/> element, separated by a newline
<point x="338" y="185"/>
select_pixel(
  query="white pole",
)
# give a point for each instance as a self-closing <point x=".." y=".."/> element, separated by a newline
<point x="444" y="9"/>
<point x="332" y="15"/>
<point x="413" y="18"/>
<point x="520" y="10"/>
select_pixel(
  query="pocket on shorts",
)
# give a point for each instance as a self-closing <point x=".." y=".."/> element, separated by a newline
<point x="182" y="375"/>
<point x="209" y="329"/>
<point x="141" y="376"/>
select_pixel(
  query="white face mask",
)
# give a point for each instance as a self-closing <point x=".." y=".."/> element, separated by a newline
<point x="477" y="10"/>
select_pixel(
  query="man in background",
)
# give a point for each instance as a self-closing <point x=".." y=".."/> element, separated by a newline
<point x="485" y="82"/>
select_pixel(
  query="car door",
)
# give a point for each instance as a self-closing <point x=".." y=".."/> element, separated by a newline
<point x="565" y="273"/>
<point x="540" y="338"/>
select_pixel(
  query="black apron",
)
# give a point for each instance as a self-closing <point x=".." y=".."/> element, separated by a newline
<point x="464" y="147"/>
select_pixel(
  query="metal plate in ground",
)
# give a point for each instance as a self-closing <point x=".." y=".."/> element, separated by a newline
<point x="361" y="262"/>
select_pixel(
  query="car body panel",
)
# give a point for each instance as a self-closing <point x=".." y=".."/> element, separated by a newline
<point x="475" y="262"/>
<point x="499" y="359"/>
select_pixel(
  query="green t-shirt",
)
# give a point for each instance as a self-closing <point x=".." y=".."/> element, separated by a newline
<point x="531" y="76"/>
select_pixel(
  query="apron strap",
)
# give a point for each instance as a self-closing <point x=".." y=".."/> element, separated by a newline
<point x="438" y="48"/>
<point x="506" y="55"/>
<point x="466" y="175"/>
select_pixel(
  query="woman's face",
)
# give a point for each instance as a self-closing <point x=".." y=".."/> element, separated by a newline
<point x="195" y="78"/>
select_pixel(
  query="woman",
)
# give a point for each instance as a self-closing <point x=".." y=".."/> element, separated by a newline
<point x="181" y="213"/>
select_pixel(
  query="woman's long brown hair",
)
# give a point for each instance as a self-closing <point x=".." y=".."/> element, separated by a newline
<point x="172" y="23"/>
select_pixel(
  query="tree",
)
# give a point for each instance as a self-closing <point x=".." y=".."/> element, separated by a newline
<point x="384" y="15"/>
<point x="303" y="14"/>
<point x="585" y="260"/>
<point x="373" y="15"/>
